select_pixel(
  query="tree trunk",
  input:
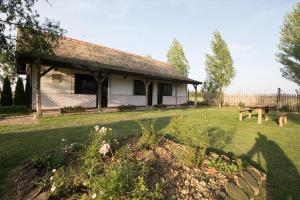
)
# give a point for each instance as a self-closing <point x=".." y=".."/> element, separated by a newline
<point x="221" y="104"/>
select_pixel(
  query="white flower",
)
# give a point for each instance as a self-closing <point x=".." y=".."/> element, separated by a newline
<point x="53" y="188"/>
<point x="53" y="170"/>
<point x="51" y="178"/>
<point x="110" y="129"/>
<point x="103" y="130"/>
<point x="96" y="128"/>
<point x="84" y="183"/>
<point x="104" y="149"/>
<point x="94" y="196"/>
<point x="129" y="146"/>
<point x="63" y="139"/>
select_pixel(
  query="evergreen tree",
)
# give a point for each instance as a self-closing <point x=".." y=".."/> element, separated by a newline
<point x="19" y="98"/>
<point x="177" y="58"/>
<point x="219" y="65"/>
<point x="289" y="46"/>
<point x="27" y="92"/>
<point x="6" y="95"/>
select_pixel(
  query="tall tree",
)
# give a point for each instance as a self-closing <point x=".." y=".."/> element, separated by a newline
<point x="6" y="95"/>
<point x="177" y="58"/>
<point x="289" y="46"/>
<point x="219" y="65"/>
<point x="19" y="98"/>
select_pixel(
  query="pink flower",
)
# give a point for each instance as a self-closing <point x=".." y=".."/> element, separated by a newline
<point x="104" y="149"/>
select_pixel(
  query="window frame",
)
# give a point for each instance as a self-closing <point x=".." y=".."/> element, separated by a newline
<point x="85" y="88"/>
<point x="139" y="93"/>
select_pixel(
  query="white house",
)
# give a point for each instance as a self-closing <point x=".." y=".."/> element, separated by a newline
<point x="91" y="76"/>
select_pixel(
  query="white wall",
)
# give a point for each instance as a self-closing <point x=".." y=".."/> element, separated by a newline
<point x="120" y="92"/>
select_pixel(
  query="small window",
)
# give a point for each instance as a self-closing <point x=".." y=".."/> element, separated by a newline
<point x="139" y="88"/>
<point x="166" y="89"/>
<point x="85" y="84"/>
<point x="57" y="78"/>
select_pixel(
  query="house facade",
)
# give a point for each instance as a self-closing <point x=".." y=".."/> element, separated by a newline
<point x="94" y="76"/>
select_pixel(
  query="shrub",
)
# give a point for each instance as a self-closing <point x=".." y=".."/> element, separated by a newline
<point x="27" y="92"/>
<point x="6" y="95"/>
<point x="160" y="106"/>
<point x="285" y="108"/>
<point x="222" y="165"/>
<point x="91" y="158"/>
<point x="48" y="161"/>
<point x="123" y="180"/>
<point x="74" y="109"/>
<point x="65" y="183"/>
<point x="126" y="107"/>
<point x="19" y="98"/>
<point x="149" y="138"/>
<point x="242" y="105"/>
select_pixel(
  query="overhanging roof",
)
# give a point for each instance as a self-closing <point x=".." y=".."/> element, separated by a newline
<point x="83" y="55"/>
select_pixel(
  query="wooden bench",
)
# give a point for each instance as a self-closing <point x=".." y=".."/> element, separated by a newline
<point x="249" y="110"/>
<point x="282" y="119"/>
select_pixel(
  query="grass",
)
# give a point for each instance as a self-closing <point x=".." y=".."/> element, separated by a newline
<point x="275" y="149"/>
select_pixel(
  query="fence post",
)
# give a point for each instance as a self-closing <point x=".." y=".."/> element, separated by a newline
<point x="278" y="99"/>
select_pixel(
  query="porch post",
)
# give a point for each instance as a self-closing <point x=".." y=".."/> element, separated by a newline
<point x="38" y="106"/>
<point x="147" y="83"/>
<point x="176" y="94"/>
<point x="99" y="93"/>
<point x="195" y="87"/>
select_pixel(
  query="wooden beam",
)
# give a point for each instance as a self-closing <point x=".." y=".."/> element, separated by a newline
<point x="38" y="106"/>
<point x="147" y="82"/>
<point x="46" y="71"/>
<point x="176" y="84"/>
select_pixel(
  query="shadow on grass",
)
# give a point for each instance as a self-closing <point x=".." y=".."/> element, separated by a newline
<point x="282" y="174"/>
<point x="17" y="147"/>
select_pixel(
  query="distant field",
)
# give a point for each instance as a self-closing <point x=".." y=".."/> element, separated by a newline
<point x="274" y="149"/>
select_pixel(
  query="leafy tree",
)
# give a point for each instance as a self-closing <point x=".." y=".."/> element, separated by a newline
<point x="7" y="69"/>
<point x="27" y="92"/>
<point x="6" y="95"/>
<point x="209" y="86"/>
<point x="19" y="98"/>
<point x="219" y="65"/>
<point x="289" y="46"/>
<point x="177" y="58"/>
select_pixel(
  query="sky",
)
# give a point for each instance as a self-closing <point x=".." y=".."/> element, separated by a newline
<point x="251" y="29"/>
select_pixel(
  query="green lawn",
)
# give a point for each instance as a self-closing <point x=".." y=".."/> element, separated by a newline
<point x="275" y="149"/>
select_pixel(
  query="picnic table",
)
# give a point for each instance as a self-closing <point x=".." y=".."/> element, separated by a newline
<point x="263" y="108"/>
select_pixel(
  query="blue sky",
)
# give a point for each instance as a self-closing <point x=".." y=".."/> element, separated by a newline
<point x="250" y="28"/>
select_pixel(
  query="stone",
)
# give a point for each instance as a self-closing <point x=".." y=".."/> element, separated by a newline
<point x="242" y="183"/>
<point x="261" y="174"/>
<point x="42" y="196"/>
<point x="251" y="181"/>
<point x="235" y="192"/>
<point x="203" y="183"/>
<point x="33" y="193"/>
<point x="222" y="196"/>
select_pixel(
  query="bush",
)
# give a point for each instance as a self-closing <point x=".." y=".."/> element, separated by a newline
<point x="27" y="92"/>
<point x="148" y="137"/>
<point x="285" y="108"/>
<point x="74" y="109"/>
<point x="48" y="161"/>
<point x="19" y="98"/>
<point x="13" y="110"/>
<point x="160" y="106"/>
<point x="6" y="95"/>
<point x="123" y="180"/>
<point x="242" y="105"/>
<point x="126" y="107"/>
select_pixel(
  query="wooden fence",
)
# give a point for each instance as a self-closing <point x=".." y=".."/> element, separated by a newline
<point x="286" y="102"/>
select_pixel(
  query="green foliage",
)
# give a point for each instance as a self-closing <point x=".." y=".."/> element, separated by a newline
<point x="48" y="161"/>
<point x="219" y="65"/>
<point x="124" y="180"/>
<point x="149" y="138"/>
<point x="209" y="86"/>
<point x="27" y="92"/>
<point x="222" y="165"/>
<point x="177" y="58"/>
<point x="92" y="162"/>
<point x="242" y="105"/>
<point x="65" y="182"/>
<point x="6" y="95"/>
<point x="19" y="98"/>
<point x="7" y="68"/>
<point x="289" y="46"/>
<point x="126" y="107"/>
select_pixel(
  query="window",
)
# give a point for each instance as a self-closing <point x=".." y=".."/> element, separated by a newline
<point x="139" y="88"/>
<point x="85" y="84"/>
<point x="166" y="89"/>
